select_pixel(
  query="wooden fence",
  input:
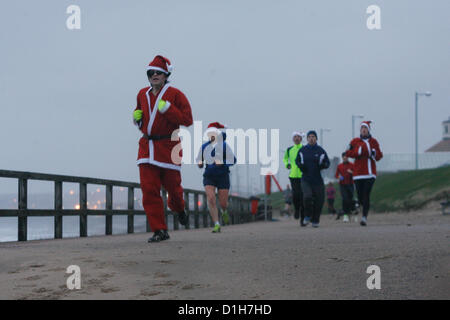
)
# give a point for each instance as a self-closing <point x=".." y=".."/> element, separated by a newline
<point x="239" y="207"/>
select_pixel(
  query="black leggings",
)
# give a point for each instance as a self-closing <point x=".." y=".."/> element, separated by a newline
<point x="347" y="191"/>
<point x="297" y="196"/>
<point x="331" y="208"/>
<point x="363" y="188"/>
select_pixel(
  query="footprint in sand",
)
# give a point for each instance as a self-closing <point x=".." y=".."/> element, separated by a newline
<point x="56" y="269"/>
<point x="170" y="283"/>
<point x="25" y="286"/>
<point x="191" y="286"/>
<point x="13" y="272"/>
<point x="166" y="261"/>
<point x="95" y="282"/>
<point x="161" y="275"/>
<point x="34" y="278"/>
<point x="42" y="290"/>
<point x="109" y="290"/>
<point x="147" y="293"/>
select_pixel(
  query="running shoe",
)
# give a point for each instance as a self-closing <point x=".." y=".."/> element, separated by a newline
<point x="216" y="228"/>
<point x="183" y="218"/>
<point x="296" y="214"/>
<point x="225" y="217"/>
<point x="345" y="219"/>
<point x="315" y="225"/>
<point x="165" y="235"/>
<point x="158" y="236"/>
<point x="363" y="221"/>
<point x="306" y="221"/>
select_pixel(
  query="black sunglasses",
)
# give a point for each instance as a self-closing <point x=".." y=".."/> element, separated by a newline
<point x="150" y="73"/>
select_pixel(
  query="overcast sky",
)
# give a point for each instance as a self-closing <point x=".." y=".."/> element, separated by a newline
<point x="66" y="96"/>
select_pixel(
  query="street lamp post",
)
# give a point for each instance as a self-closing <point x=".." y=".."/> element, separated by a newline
<point x="322" y="130"/>
<point x="427" y="94"/>
<point x="355" y="116"/>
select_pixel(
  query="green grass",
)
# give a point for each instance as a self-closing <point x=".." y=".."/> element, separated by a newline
<point x="410" y="190"/>
<point x="406" y="190"/>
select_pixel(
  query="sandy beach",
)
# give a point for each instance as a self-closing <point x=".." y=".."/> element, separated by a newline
<point x="261" y="260"/>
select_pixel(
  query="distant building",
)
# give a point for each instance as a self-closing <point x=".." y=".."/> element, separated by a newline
<point x="444" y="144"/>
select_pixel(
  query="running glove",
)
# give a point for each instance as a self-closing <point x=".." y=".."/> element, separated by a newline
<point x="137" y="115"/>
<point x="163" y="106"/>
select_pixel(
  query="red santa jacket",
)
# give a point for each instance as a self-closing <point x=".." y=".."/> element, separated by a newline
<point x="177" y="112"/>
<point x="342" y="170"/>
<point x="365" y="152"/>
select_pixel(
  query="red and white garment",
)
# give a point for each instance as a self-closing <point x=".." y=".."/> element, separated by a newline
<point x="177" y="112"/>
<point x="365" y="152"/>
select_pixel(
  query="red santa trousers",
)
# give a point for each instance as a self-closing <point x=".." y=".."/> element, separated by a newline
<point x="152" y="178"/>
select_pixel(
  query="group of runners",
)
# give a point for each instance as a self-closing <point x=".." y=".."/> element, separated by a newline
<point x="308" y="190"/>
<point x="161" y="109"/>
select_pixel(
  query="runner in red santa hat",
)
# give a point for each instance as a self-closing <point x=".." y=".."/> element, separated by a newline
<point x="217" y="157"/>
<point x="161" y="109"/>
<point x="366" y="151"/>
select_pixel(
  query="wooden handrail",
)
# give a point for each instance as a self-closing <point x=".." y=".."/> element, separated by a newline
<point x="239" y="206"/>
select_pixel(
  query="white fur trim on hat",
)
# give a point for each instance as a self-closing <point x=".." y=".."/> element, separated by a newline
<point x="212" y="129"/>
<point x="157" y="68"/>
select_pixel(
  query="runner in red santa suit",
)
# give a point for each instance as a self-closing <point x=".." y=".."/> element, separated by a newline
<point x="366" y="151"/>
<point x="161" y="109"/>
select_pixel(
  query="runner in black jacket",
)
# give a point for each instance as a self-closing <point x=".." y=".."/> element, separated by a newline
<point x="311" y="159"/>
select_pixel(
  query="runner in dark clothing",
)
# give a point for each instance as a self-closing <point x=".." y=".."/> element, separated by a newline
<point x="331" y="196"/>
<point x="287" y="200"/>
<point x="311" y="159"/>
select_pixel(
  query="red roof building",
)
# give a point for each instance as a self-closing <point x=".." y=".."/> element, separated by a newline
<point x="444" y="144"/>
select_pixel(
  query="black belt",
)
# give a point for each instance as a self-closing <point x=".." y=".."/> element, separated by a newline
<point x="157" y="137"/>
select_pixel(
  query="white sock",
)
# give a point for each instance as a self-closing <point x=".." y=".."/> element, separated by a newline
<point x="217" y="223"/>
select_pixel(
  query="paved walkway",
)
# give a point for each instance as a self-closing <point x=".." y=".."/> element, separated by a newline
<point x="262" y="260"/>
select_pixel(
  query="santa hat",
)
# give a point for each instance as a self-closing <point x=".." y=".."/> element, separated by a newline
<point x="366" y="124"/>
<point x="215" y="127"/>
<point x="161" y="63"/>
<point x="297" y="133"/>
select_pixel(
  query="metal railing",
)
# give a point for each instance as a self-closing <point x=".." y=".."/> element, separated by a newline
<point x="239" y="207"/>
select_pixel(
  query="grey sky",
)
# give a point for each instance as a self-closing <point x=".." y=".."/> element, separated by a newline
<point x="66" y="97"/>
